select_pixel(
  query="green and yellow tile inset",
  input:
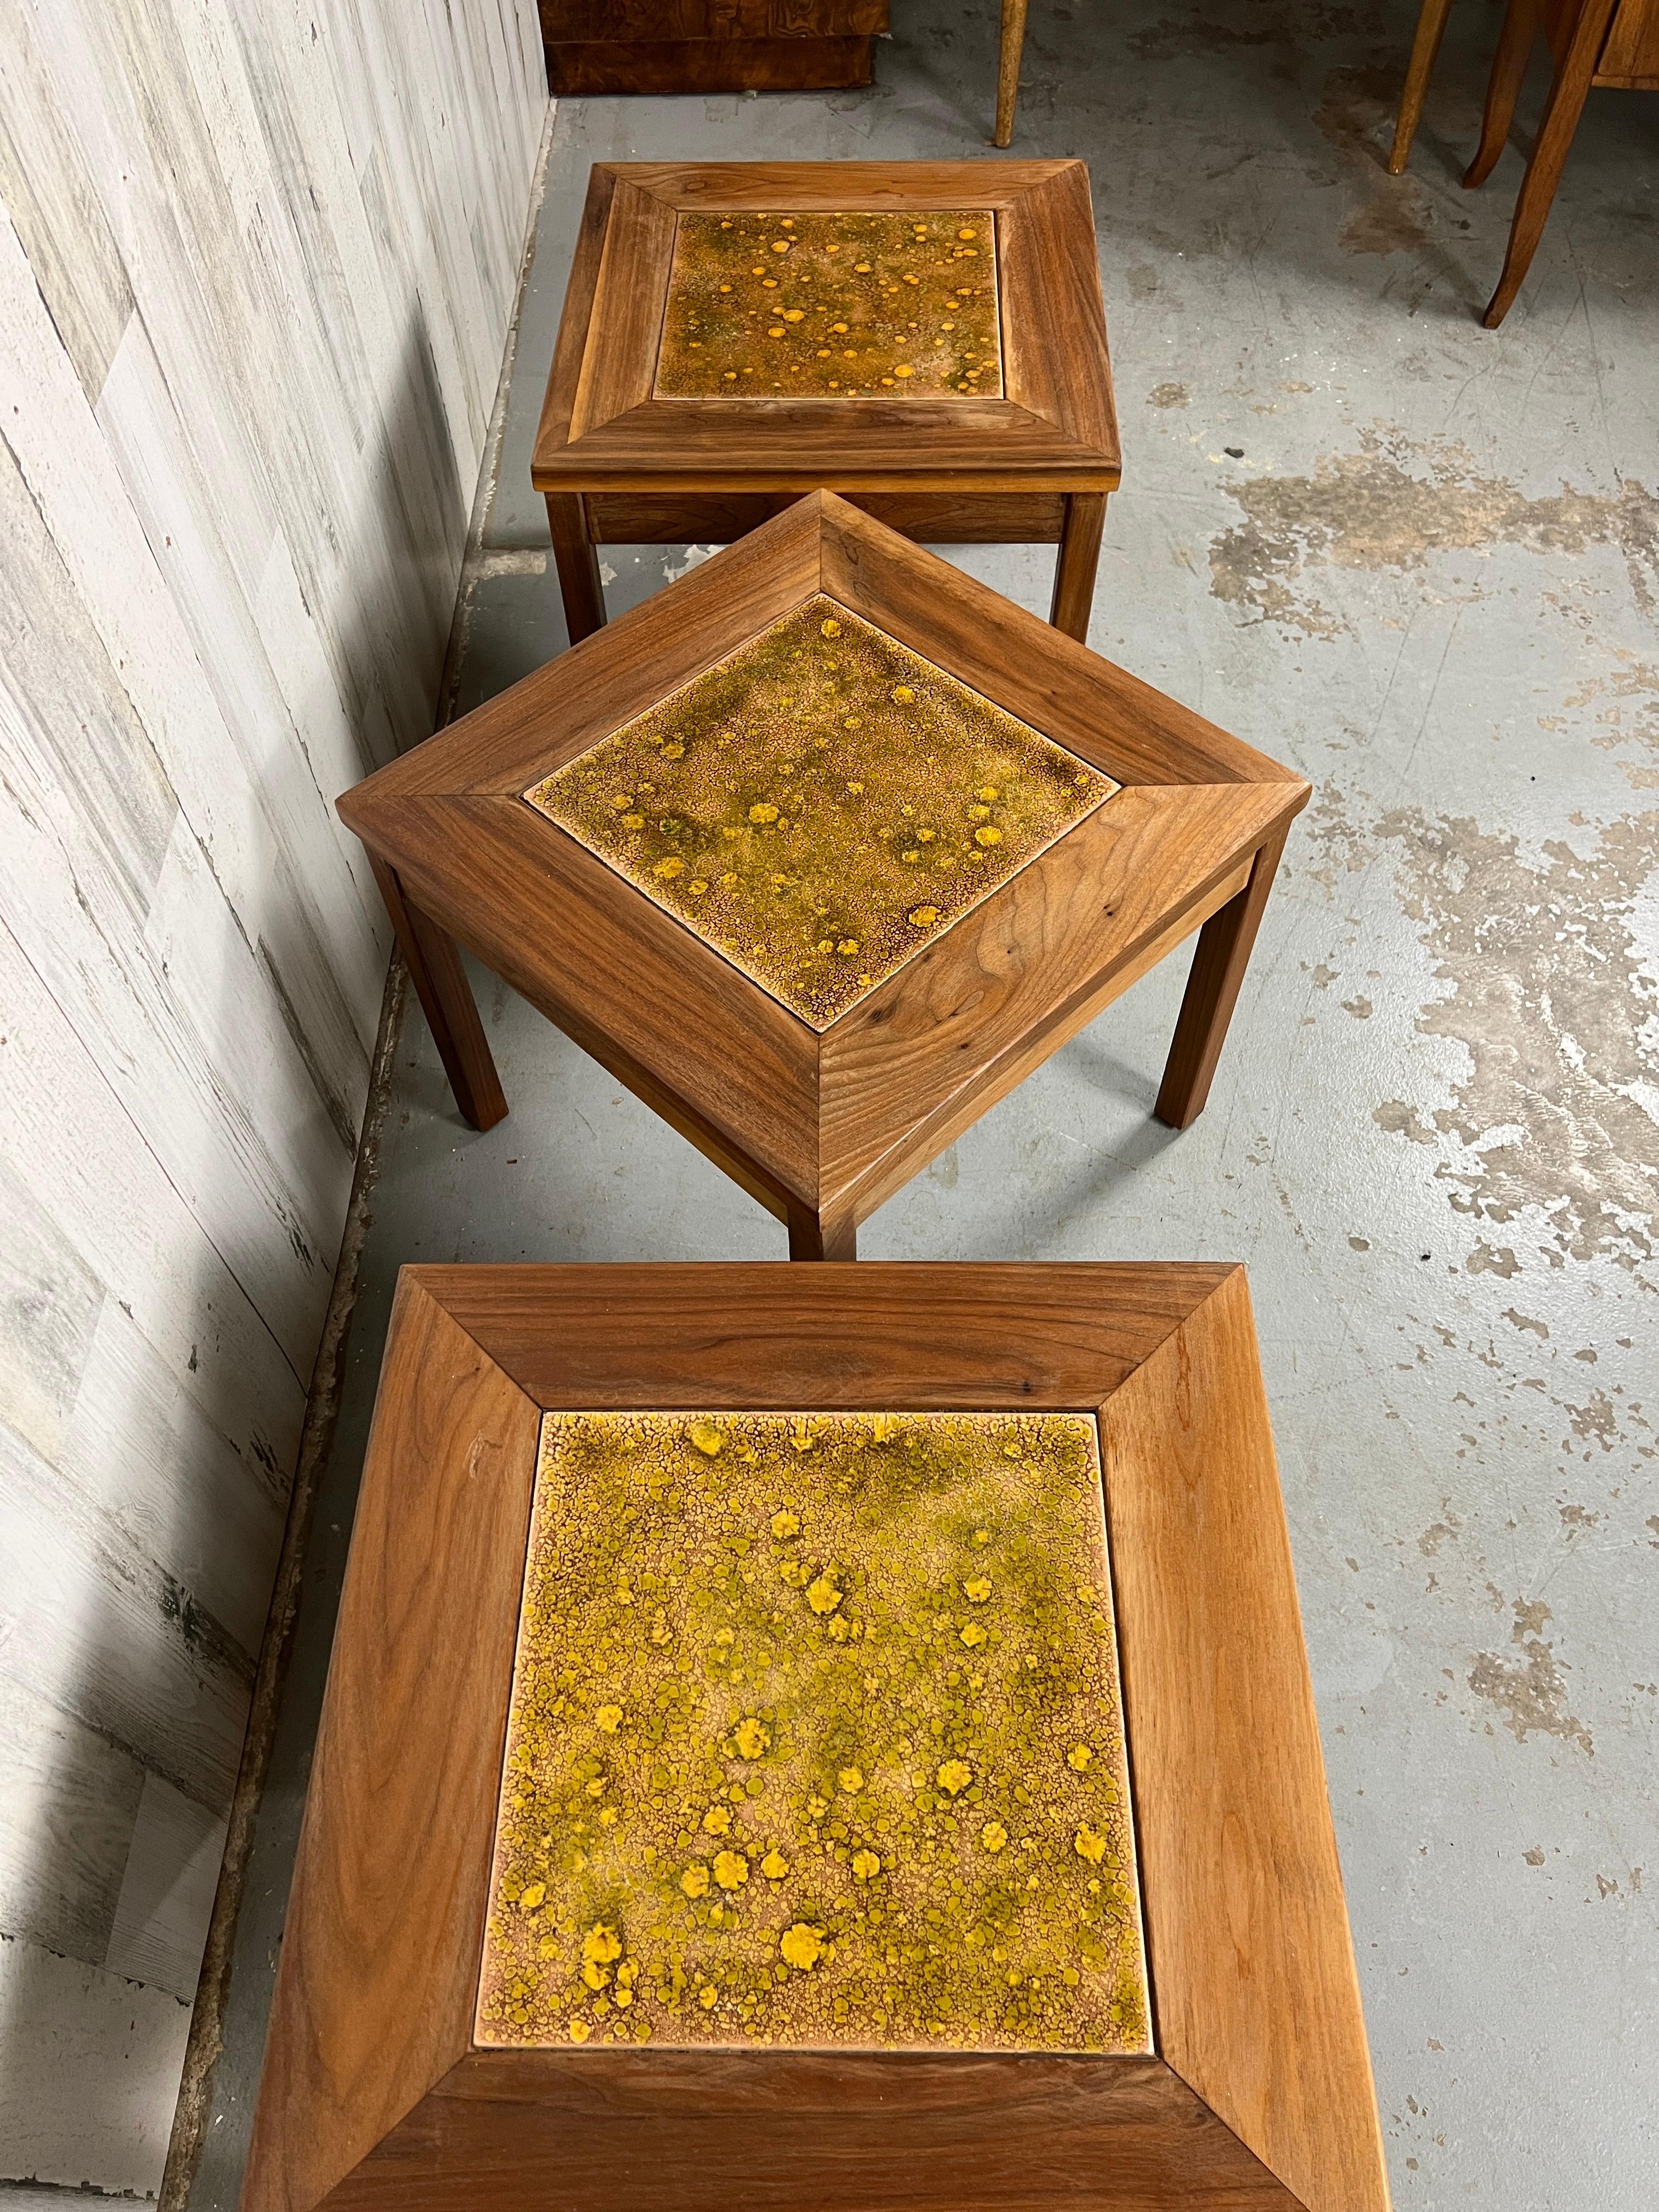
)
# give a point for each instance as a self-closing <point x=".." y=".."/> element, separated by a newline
<point x="820" y="805"/>
<point x="816" y="1740"/>
<point x="833" y="306"/>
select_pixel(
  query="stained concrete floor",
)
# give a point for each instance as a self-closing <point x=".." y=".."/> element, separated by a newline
<point x="1418" y="561"/>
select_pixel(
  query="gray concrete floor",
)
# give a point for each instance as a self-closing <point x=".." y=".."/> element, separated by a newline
<point x="1418" y="562"/>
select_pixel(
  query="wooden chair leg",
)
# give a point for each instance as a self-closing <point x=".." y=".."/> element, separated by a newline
<point x="1508" y="65"/>
<point x="1011" y="48"/>
<point x="1218" y="970"/>
<point x="1080" y="557"/>
<point x="822" y="1237"/>
<point x="578" y="563"/>
<point x="1573" y="76"/>
<point x="434" y="966"/>
<point x="1431" y="27"/>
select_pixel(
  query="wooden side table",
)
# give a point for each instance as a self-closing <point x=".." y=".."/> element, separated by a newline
<point x="926" y="337"/>
<point x="839" y="1739"/>
<point x="821" y="851"/>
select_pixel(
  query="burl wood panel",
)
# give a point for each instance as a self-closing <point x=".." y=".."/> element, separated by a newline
<point x="1246" y="1926"/>
<point x="392" y="1871"/>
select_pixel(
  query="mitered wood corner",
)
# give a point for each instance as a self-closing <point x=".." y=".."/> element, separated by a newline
<point x="822" y="1119"/>
<point x="1258" y="2095"/>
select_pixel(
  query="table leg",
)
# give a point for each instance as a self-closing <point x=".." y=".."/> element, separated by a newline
<point x="578" y="564"/>
<point x="1080" y="557"/>
<point x="1572" y="81"/>
<point x="1009" y="50"/>
<point x="1219" y="965"/>
<point x="822" y="1237"/>
<point x="434" y="960"/>
<point x="1509" y="67"/>
<point x="1431" y="27"/>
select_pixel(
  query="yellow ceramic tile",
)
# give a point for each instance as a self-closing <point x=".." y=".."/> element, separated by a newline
<point x="833" y="306"/>
<point x="816" y="1740"/>
<point x="820" y="805"/>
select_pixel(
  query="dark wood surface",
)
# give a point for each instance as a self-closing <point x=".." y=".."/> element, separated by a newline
<point x="1055" y="431"/>
<point x="587" y="67"/>
<point x="776" y="2131"/>
<point x="1258" y="2099"/>
<point x="830" y="1125"/>
<point x="378" y="1976"/>
<point x="1255" y="1998"/>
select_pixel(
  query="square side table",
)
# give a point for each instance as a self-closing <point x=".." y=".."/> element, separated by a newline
<point x="839" y="1739"/>
<point x="926" y="337"/>
<point x="687" y="842"/>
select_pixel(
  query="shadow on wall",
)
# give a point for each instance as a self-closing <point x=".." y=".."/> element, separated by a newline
<point x="153" y="1413"/>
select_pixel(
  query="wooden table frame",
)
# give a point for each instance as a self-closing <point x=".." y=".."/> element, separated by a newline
<point x="1259" y="2097"/>
<point x="821" y="1127"/>
<point x="618" y="466"/>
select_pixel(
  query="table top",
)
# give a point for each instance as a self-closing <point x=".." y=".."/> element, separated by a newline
<point x="816" y="1740"/>
<point x="579" y="1478"/>
<point x="527" y="829"/>
<point x="820" y="805"/>
<point x="912" y="326"/>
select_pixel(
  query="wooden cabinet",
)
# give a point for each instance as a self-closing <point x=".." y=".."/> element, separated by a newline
<point x="709" y="46"/>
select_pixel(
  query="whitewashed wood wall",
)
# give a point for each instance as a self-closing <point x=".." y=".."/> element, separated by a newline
<point x="258" y="259"/>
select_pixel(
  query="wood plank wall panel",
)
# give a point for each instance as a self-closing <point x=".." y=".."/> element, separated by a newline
<point x="256" y="272"/>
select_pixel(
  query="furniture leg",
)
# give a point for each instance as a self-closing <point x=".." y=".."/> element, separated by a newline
<point x="578" y="563"/>
<point x="1080" y="557"/>
<point x="1009" y="50"/>
<point x="1573" y="76"/>
<point x="434" y="960"/>
<point x="1218" y="970"/>
<point x="821" y="1235"/>
<point x="1509" y="66"/>
<point x="1431" y="27"/>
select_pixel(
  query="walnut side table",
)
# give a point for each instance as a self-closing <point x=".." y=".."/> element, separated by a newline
<point x="820" y="852"/>
<point x="925" y="337"/>
<point x="838" y="1738"/>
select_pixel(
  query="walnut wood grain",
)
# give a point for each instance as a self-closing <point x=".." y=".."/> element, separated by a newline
<point x="770" y="1335"/>
<point x="1080" y="557"/>
<point x="393" y="1864"/>
<point x="1212" y="986"/>
<point x="822" y="1129"/>
<point x="1255" y="1998"/>
<point x="1054" y="432"/>
<point x="1260" y="2098"/>
<point x="447" y="1000"/>
<point x="1134" y="732"/>
<point x="929" y="518"/>
<point x="767" y="2131"/>
<point x="1012" y="980"/>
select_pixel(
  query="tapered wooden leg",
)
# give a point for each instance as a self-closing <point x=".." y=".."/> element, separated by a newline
<point x="1509" y="66"/>
<point x="822" y="1237"/>
<point x="578" y="565"/>
<point x="434" y="960"/>
<point x="1573" y="76"/>
<point x="1218" y="963"/>
<point x="1011" y="47"/>
<point x="1431" y="27"/>
<point x="1080" y="557"/>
